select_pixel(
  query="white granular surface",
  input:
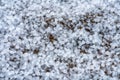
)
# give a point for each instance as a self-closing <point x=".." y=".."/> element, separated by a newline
<point x="59" y="39"/>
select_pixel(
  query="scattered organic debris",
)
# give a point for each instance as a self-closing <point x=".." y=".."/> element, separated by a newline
<point x="36" y="51"/>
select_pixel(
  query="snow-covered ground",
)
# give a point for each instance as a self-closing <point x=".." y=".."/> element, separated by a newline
<point x="59" y="39"/>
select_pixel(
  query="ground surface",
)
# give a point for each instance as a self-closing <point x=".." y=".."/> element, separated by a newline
<point x="59" y="40"/>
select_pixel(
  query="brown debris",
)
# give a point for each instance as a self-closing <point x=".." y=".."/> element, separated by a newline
<point x="47" y="69"/>
<point x="71" y="65"/>
<point x="83" y="51"/>
<point x="51" y="38"/>
<point x="36" y="51"/>
<point x="80" y="27"/>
